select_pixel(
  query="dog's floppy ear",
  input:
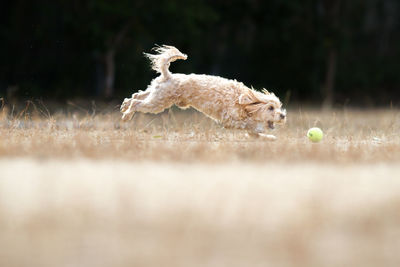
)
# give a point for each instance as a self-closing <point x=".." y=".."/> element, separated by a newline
<point x="247" y="98"/>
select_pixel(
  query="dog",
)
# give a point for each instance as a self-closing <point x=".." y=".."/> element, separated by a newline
<point x="228" y="102"/>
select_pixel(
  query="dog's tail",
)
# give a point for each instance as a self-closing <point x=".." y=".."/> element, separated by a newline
<point x="165" y="55"/>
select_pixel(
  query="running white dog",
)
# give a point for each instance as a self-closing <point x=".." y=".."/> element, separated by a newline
<point x="228" y="102"/>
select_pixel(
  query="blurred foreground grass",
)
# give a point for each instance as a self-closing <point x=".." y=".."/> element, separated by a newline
<point x="118" y="213"/>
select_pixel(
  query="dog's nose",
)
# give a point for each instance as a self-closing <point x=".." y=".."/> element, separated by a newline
<point x="283" y="116"/>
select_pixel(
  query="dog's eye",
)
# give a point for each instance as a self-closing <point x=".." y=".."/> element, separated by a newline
<point x="271" y="108"/>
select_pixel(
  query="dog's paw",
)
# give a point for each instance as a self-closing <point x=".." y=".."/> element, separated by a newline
<point x="127" y="116"/>
<point x="268" y="137"/>
<point x="125" y="105"/>
<point x="128" y="108"/>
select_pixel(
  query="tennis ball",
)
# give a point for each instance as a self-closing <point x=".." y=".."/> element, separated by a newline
<point x="315" y="134"/>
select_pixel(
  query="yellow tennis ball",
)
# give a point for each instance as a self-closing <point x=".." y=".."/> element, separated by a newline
<point x="315" y="134"/>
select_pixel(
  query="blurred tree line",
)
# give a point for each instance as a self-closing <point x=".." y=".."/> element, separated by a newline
<point x="318" y="51"/>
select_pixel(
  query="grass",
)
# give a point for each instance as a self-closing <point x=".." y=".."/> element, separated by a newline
<point x="350" y="136"/>
<point x="80" y="188"/>
<point x="82" y="212"/>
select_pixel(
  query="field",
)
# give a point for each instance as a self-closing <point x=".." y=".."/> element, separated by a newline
<point x="80" y="188"/>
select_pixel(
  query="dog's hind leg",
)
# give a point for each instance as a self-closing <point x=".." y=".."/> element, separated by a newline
<point x="141" y="95"/>
<point x="127" y="101"/>
<point x="155" y="102"/>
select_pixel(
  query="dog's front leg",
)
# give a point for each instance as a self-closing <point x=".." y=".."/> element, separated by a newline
<point x="268" y="137"/>
<point x="256" y="130"/>
<point x="263" y="136"/>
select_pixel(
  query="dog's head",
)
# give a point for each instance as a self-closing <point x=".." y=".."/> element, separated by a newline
<point x="264" y="108"/>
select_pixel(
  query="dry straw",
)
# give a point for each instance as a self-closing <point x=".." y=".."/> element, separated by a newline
<point x="175" y="135"/>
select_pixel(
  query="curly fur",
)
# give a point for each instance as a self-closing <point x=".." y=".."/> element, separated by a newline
<point x="228" y="102"/>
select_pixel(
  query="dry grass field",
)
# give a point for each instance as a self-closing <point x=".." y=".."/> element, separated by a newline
<point x="350" y="137"/>
<point x="80" y="188"/>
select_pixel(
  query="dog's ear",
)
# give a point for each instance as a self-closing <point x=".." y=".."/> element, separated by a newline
<point x="253" y="108"/>
<point x="247" y="98"/>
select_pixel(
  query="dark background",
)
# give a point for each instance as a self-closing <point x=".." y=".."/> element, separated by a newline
<point x="322" y="52"/>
